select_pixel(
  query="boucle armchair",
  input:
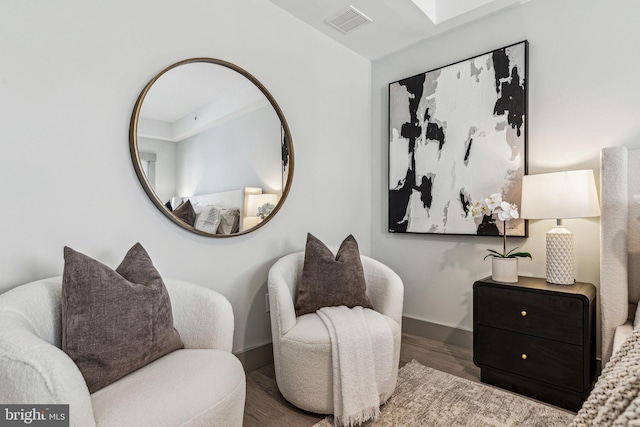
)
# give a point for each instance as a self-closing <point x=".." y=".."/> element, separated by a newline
<point x="301" y="345"/>
<point x="200" y="385"/>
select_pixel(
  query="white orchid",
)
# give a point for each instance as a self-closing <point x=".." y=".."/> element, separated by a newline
<point x="493" y="201"/>
<point x="507" y="211"/>
<point x="502" y="210"/>
<point x="476" y="210"/>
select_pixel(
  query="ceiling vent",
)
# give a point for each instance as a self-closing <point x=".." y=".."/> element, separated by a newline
<point x="348" y="20"/>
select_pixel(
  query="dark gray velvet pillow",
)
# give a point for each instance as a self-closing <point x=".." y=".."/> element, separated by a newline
<point x="330" y="281"/>
<point x="186" y="213"/>
<point x="114" y="322"/>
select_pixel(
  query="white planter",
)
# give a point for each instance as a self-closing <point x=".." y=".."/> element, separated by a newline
<point x="504" y="269"/>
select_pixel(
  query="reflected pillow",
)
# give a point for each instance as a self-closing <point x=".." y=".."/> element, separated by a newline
<point x="208" y="219"/>
<point x="186" y="213"/>
<point x="217" y="220"/>
<point x="229" y="221"/>
<point x="331" y="281"/>
<point x="114" y="322"/>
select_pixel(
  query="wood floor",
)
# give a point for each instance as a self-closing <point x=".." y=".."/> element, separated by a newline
<point x="265" y="406"/>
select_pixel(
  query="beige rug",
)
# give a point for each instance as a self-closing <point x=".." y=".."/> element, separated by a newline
<point x="430" y="398"/>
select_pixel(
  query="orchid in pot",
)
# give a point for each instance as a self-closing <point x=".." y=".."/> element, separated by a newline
<point x="502" y="210"/>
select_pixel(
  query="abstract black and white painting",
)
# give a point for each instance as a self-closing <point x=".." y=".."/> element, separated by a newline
<point x="458" y="134"/>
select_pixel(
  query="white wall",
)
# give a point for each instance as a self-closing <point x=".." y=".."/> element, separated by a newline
<point x="243" y="152"/>
<point x="71" y="72"/>
<point x="584" y="94"/>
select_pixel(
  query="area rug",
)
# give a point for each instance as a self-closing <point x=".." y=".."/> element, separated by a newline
<point x="426" y="397"/>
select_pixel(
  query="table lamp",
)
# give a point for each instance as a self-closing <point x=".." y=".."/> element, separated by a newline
<point x="560" y="195"/>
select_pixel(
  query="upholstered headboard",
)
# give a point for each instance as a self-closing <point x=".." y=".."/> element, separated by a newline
<point x="619" y="240"/>
<point x="232" y="198"/>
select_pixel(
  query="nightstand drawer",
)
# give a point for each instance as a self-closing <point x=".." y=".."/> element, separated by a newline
<point x="549" y="361"/>
<point x="552" y="316"/>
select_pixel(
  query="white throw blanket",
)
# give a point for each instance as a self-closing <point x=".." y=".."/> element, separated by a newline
<point x="356" y="395"/>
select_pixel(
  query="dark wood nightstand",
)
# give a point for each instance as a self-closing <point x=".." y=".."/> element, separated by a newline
<point x="536" y="339"/>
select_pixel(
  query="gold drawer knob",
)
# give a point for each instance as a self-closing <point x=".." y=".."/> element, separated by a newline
<point x="523" y="313"/>
<point x="524" y="356"/>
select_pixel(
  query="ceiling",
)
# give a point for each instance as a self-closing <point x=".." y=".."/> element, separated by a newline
<point x="395" y="24"/>
<point x="194" y="86"/>
<point x="193" y="97"/>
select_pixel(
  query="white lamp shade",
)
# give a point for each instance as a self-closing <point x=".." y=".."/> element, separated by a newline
<point x="558" y="195"/>
<point x="254" y="201"/>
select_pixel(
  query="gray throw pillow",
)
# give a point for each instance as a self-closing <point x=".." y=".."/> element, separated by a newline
<point x="114" y="322"/>
<point x="331" y="281"/>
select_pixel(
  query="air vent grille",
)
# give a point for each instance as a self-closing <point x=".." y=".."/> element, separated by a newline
<point x="348" y="20"/>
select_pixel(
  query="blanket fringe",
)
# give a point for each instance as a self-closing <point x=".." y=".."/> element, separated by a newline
<point x="357" y="418"/>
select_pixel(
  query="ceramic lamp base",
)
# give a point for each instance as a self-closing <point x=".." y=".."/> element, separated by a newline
<point x="504" y="269"/>
<point x="560" y="257"/>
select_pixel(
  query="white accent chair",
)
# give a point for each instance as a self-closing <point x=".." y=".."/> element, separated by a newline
<point x="201" y="385"/>
<point x="301" y="345"/>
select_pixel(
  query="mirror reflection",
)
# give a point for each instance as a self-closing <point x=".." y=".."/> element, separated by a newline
<point x="211" y="147"/>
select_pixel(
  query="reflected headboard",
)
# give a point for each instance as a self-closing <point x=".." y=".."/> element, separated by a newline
<point x="232" y="198"/>
<point x="619" y="240"/>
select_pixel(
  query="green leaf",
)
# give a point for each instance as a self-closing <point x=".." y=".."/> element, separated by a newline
<point x="520" y="255"/>
<point x="510" y="254"/>
<point x="493" y="253"/>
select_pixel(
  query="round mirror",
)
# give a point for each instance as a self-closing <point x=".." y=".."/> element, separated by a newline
<point x="211" y="147"/>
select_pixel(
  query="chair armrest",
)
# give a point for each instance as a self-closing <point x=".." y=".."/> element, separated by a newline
<point x="384" y="288"/>
<point x="32" y="371"/>
<point x="202" y="316"/>
<point x="283" y="276"/>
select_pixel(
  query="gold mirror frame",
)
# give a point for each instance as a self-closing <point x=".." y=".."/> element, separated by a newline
<point x="135" y="154"/>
